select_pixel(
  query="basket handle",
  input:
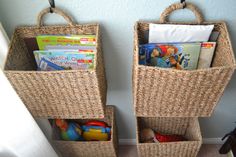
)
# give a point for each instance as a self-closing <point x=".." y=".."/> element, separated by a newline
<point x="54" y="10"/>
<point x="177" y="6"/>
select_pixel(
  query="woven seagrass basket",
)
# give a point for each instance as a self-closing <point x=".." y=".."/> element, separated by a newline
<point x="90" y="148"/>
<point x="180" y="93"/>
<point x="56" y="94"/>
<point x="188" y="127"/>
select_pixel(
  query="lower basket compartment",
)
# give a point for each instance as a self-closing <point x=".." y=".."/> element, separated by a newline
<point x="188" y="127"/>
<point x="90" y="148"/>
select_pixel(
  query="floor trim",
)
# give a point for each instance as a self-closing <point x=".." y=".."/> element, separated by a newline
<point x="205" y="141"/>
<point x="212" y="141"/>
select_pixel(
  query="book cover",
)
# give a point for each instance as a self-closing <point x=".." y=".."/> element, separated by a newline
<point x="45" y="65"/>
<point x="67" y="60"/>
<point x="206" y="55"/>
<point x="175" y="55"/>
<point x="74" y="42"/>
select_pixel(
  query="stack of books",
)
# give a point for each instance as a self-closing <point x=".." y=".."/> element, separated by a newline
<point x="177" y="54"/>
<point x="65" y="52"/>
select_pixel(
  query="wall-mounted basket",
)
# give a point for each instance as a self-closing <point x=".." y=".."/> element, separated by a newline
<point x="90" y="148"/>
<point x="181" y="93"/>
<point x="56" y="94"/>
<point x="187" y="127"/>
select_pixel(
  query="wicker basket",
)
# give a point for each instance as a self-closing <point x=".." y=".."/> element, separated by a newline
<point x="160" y="92"/>
<point x="56" y="94"/>
<point x="91" y="148"/>
<point x="189" y="127"/>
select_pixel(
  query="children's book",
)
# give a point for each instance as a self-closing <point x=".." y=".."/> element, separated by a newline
<point x="175" y="55"/>
<point x="73" y="42"/>
<point x="45" y="65"/>
<point x="70" y="48"/>
<point x="67" y="60"/>
<point x="206" y="55"/>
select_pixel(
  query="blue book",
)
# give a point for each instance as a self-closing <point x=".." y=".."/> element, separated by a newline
<point x="45" y="65"/>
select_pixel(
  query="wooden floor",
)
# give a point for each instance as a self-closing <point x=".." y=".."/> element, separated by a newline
<point x="206" y="151"/>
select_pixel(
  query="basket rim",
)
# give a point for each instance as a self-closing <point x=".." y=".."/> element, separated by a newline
<point x="168" y="143"/>
<point x="184" y="71"/>
<point x="55" y="26"/>
<point x="179" y="22"/>
<point x="179" y="116"/>
<point x="84" y="142"/>
<point x="53" y="72"/>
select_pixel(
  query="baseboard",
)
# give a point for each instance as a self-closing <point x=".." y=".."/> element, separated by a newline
<point x="205" y="141"/>
<point x="212" y="141"/>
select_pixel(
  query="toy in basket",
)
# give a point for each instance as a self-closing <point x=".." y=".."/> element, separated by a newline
<point x="149" y="136"/>
<point x="70" y="131"/>
<point x="96" y="131"/>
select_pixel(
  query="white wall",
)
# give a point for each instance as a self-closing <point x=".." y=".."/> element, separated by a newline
<point x="117" y="18"/>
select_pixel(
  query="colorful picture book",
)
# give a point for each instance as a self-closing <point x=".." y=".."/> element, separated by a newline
<point x="174" y="55"/>
<point x="73" y="42"/>
<point x="46" y="65"/>
<point x="66" y="60"/>
<point x="65" y="52"/>
<point x="169" y="46"/>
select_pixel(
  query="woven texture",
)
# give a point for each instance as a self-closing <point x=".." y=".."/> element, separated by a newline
<point x="94" y="148"/>
<point x="159" y="92"/>
<point x="188" y="127"/>
<point x="56" y="94"/>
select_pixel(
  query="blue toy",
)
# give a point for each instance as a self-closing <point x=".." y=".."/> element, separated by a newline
<point x="69" y="131"/>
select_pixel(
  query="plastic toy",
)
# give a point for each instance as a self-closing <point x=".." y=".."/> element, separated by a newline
<point x="70" y="131"/>
<point x="169" y="138"/>
<point x="96" y="131"/>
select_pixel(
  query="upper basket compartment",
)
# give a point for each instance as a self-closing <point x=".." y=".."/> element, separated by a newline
<point x="56" y="94"/>
<point x="181" y="93"/>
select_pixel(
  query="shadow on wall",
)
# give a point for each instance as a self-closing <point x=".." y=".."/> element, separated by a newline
<point x="222" y="121"/>
<point x="116" y="71"/>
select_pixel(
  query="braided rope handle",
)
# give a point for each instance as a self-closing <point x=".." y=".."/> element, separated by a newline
<point x="177" y="6"/>
<point x="57" y="11"/>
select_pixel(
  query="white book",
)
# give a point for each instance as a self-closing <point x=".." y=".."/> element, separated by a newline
<point x="169" y="33"/>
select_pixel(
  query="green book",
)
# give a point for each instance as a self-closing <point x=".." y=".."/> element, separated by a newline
<point x="73" y="42"/>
